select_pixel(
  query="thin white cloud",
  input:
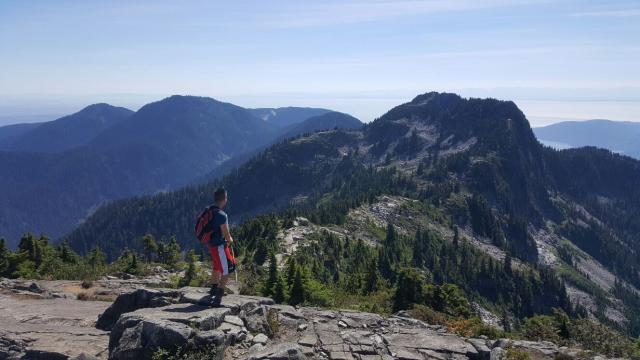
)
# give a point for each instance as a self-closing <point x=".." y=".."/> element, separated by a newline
<point x="608" y="13"/>
<point x="371" y="11"/>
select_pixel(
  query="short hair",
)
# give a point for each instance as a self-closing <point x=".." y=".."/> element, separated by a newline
<point x="220" y="194"/>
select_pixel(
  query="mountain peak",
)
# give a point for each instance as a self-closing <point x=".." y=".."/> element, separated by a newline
<point x="434" y="96"/>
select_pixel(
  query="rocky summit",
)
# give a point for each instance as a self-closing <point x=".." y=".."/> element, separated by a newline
<point x="62" y="320"/>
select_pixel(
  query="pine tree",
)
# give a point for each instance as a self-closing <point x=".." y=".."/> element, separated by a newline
<point x="372" y="277"/>
<point x="261" y="253"/>
<point x="190" y="274"/>
<point x="297" y="293"/>
<point x="96" y="258"/>
<point x="66" y="254"/>
<point x="173" y="252"/>
<point x="4" y="257"/>
<point x="28" y="246"/>
<point x="456" y="236"/>
<point x="149" y="245"/>
<point x="269" y="285"/>
<point x="384" y="263"/>
<point x="279" y="291"/>
<point x="419" y="250"/>
<point x="409" y="290"/>
<point x="133" y="267"/>
<point x="391" y="235"/>
<point x="291" y="272"/>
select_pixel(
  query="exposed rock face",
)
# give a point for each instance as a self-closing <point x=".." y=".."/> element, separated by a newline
<point x="255" y="328"/>
<point x="38" y="325"/>
<point x="141" y="298"/>
<point x="143" y="320"/>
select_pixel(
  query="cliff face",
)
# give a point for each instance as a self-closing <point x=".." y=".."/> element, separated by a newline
<point x="45" y="321"/>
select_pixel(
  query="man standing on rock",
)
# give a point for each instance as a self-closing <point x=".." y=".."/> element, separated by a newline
<point x="212" y="229"/>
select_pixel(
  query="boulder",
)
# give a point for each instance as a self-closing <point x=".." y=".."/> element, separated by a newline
<point x="484" y="353"/>
<point x="138" y="299"/>
<point x="134" y="337"/>
<point x="208" y="338"/>
<point x="260" y="339"/>
<point x="256" y="320"/>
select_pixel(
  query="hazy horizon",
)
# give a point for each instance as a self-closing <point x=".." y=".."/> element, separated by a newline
<point x="566" y="60"/>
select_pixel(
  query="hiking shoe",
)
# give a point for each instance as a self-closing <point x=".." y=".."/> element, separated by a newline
<point x="216" y="299"/>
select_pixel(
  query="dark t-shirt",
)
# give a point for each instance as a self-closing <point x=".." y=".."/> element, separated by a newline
<point x="220" y="218"/>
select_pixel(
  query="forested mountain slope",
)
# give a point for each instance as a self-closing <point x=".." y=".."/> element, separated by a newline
<point x="8" y="133"/>
<point x="473" y="166"/>
<point x="58" y="173"/>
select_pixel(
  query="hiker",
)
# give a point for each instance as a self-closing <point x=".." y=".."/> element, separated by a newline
<point x="212" y="229"/>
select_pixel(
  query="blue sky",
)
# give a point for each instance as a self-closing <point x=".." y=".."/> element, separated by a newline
<point x="557" y="59"/>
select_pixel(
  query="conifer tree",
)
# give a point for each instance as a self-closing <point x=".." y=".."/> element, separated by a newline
<point x="173" y="252"/>
<point x="291" y="272"/>
<point x="96" y="258"/>
<point x="279" y="291"/>
<point x="419" y="250"/>
<point x="391" y="235"/>
<point x="269" y="285"/>
<point x="66" y="254"/>
<point x="190" y="274"/>
<point x="261" y="253"/>
<point x="384" y="263"/>
<point x="133" y="267"/>
<point x="409" y="289"/>
<point x="149" y="245"/>
<point x="4" y="257"/>
<point x="372" y="277"/>
<point x="297" y="294"/>
<point x="456" y="236"/>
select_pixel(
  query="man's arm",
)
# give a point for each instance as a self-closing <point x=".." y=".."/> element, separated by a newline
<point x="226" y="233"/>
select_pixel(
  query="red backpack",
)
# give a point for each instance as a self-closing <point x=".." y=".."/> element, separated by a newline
<point x="204" y="224"/>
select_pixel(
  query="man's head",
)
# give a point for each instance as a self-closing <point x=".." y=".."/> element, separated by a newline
<point x="220" y="197"/>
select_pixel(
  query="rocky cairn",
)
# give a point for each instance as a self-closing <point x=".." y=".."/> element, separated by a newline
<point x="142" y="321"/>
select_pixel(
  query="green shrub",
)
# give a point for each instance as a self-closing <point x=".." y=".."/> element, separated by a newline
<point x="541" y="328"/>
<point x="512" y="353"/>
<point x="209" y="353"/>
<point x="601" y="339"/>
<point x="474" y="327"/>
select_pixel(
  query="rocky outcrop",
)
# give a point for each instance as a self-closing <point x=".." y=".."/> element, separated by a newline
<point x="42" y="326"/>
<point x="186" y="324"/>
<point x="255" y="328"/>
<point x="141" y="321"/>
<point x="140" y="298"/>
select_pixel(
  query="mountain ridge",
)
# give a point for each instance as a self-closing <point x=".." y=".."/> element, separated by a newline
<point x="475" y="162"/>
<point x="164" y="145"/>
<point x="69" y="131"/>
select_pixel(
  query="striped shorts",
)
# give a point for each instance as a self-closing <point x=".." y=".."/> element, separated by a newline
<point x="221" y="259"/>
